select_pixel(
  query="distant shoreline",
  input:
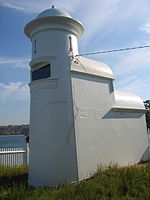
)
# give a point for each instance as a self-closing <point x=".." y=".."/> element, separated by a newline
<point x="11" y="135"/>
<point x="16" y="130"/>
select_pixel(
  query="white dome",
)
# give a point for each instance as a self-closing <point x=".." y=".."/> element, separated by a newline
<point x="53" y="13"/>
<point x="54" y="18"/>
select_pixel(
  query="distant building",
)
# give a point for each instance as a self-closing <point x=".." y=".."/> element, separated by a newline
<point x="77" y="120"/>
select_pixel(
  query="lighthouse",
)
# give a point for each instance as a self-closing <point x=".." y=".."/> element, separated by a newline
<point x="52" y="144"/>
<point x="77" y="120"/>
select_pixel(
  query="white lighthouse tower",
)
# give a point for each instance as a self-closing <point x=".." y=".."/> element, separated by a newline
<point x="77" y="120"/>
<point x="52" y="145"/>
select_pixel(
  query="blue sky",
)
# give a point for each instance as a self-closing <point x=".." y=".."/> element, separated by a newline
<point x="109" y="24"/>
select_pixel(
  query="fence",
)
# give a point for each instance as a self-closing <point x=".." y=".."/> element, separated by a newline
<point x="14" y="156"/>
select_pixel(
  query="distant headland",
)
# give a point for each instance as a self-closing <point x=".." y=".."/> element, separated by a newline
<point x="14" y="130"/>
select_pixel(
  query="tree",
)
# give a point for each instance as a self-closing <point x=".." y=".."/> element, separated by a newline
<point x="147" y="114"/>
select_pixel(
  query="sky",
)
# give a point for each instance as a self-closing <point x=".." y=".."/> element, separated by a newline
<point x="108" y="24"/>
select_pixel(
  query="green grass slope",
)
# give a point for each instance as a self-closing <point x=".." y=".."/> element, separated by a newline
<point x="114" y="183"/>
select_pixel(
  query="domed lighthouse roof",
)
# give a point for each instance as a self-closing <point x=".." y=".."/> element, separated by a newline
<point x="53" y="12"/>
<point x="54" y="18"/>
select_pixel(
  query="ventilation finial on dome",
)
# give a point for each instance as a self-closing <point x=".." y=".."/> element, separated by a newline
<point x="53" y="6"/>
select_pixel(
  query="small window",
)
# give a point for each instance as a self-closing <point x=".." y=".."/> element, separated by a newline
<point x="34" y="46"/>
<point x="43" y="72"/>
<point x="111" y="87"/>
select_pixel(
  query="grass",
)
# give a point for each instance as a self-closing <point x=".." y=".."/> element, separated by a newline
<point x="114" y="183"/>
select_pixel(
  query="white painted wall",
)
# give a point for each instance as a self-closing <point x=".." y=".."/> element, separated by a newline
<point x="53" y="43"/>
<point x="52" y="140"/>
<point x="103" y="136"/>
<point x="52" y="147"/>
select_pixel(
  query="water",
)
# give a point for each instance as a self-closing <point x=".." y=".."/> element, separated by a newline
<point x="12" y="141"/>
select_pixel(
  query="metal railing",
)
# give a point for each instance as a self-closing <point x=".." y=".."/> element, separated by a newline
<point x="14" y="156"/>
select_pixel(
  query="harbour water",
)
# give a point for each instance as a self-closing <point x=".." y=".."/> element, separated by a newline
<point x="13" y="141"/>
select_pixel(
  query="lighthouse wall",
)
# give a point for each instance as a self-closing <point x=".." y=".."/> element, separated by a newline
<point x="104" y="137"/>
<point x="53" y="42"/>
<point x="52" y="140"/>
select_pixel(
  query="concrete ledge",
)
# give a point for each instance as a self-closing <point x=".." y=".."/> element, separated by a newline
<point x="132" y="110"/>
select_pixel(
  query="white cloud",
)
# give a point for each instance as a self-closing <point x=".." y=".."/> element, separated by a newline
<point x="138" y="86"/>
<point x="131" y="70"/>
<point x="34" y="6"/>
<point x="98" y="16"/>
<point x="145" y="28"/>
<point x="13" y="5"/>
<point x="131" y="62"/>
<point x="14" y="91"/>
<point x="14" y="62"/>
<point x="126" y="80"/>
<point x="14" y="118"/>
<point x="111" y="17"/>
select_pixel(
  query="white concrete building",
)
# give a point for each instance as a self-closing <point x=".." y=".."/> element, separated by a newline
<point x="77" y="120"/>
